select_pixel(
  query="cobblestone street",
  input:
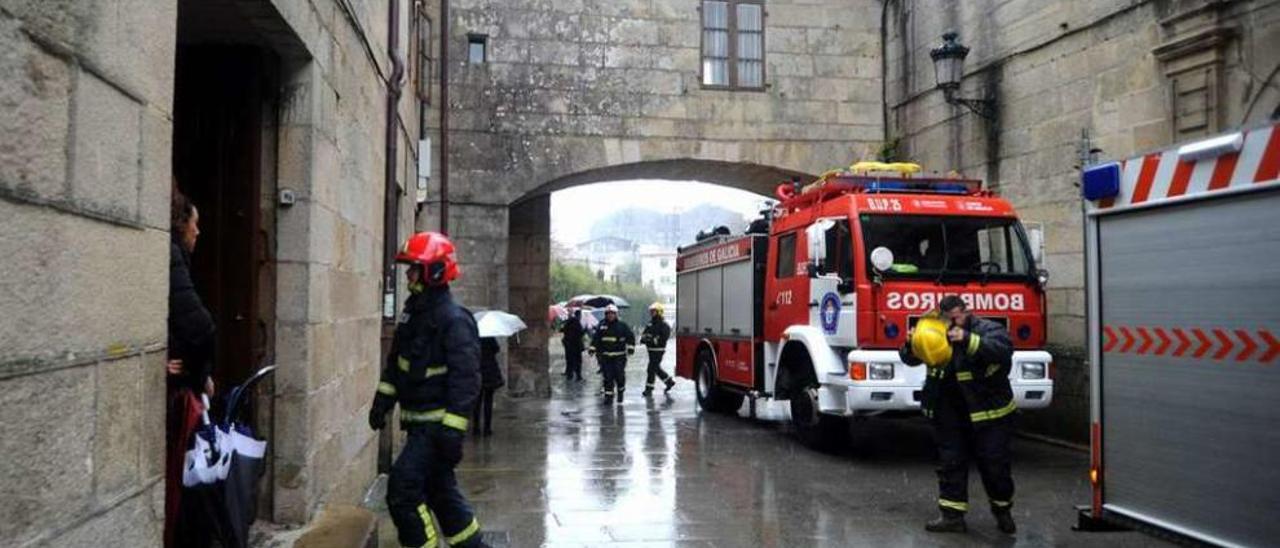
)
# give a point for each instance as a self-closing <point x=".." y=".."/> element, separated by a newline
<point x="573" y="472"/>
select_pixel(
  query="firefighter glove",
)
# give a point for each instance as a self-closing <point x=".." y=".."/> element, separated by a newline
<point x="378" y="412"/>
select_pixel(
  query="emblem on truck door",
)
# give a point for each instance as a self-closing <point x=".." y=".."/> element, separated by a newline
<point x="829" y="312"/>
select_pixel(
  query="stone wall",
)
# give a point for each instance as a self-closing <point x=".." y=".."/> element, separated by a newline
<point x="1056" y="69"/>
<point x="329" y="313"/>
<point x="581" y="91"/>
<point x="85" y="109"/>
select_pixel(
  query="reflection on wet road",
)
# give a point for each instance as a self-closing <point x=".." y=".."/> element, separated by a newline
<point x="573" y="472"/>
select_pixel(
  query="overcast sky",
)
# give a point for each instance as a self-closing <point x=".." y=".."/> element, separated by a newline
<point x="574" y="210"/>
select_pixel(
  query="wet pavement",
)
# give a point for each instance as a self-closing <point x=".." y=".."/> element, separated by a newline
<point x="570" y="471"/>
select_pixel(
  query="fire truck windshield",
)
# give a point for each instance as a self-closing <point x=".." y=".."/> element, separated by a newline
<point x="949" y="246"/>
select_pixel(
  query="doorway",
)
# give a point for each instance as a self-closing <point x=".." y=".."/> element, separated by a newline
<point x="222" y="104"/>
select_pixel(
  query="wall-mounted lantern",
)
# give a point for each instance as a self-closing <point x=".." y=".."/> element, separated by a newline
<point x="948" y="67"/>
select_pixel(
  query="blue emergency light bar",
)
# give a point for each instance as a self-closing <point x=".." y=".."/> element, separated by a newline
<point x="1101" y="181"/>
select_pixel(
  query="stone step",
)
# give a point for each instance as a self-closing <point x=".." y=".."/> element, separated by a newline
<point x="341" y="526"/>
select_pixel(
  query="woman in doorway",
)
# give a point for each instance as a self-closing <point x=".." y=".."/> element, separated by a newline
<point x="490" y="381"/>
<point x="190" y="363"/>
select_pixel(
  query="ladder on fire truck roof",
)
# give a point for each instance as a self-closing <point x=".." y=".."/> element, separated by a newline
<point x="875" y="178"/>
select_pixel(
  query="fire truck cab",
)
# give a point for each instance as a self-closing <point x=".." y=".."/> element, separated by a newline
<point x="812" y="303"/>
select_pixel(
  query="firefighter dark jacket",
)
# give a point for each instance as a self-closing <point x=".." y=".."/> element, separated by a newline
<point x="655" y="334"/>
<point x="613" y="339"/>
<point x="433" y="368"/>
<point x="979" y="365"/>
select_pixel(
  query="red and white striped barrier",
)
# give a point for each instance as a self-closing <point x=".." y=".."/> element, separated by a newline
<point x="1162" y="176"/>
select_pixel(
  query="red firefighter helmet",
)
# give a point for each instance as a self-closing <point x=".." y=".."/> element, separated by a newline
<point x="433" y="251"/>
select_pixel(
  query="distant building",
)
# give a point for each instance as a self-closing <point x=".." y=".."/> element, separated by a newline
<point x="658" y="270"/>
<point x="605" y="256"/>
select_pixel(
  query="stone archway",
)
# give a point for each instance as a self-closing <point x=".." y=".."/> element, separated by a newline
<point x="529" y="247"/>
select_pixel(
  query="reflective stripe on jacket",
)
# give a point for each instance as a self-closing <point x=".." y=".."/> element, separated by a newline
<point x="979" y="365"/>
<point x="655" y="335"/>
<point x="613" y="339"/>
<point x="433" y="368"/>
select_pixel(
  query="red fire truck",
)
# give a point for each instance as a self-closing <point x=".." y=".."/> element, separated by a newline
<point x="811" y="304"/>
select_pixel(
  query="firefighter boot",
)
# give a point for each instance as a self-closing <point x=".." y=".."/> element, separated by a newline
<point x="671" y="383"/>
<point x="648" y="391"/>
<point x="620" y="392"/>
<point x="948" y="522"/>
<point x="608" y="397"/>
<point x="1004" y="521"/>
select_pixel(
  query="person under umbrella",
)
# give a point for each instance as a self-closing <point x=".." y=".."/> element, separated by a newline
<point x="490" y="381"/>
<point x="571" y="337"/>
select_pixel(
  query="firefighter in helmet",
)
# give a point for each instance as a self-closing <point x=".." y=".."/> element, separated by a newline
<point x="654" y="337"/>
<point x="968" y="399"/>
<point x="611" y="343"/>
<point x="433" y="372"/>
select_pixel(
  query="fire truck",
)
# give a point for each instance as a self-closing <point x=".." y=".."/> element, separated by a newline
<point x="1182" y="272"/>
<point x="811" y="304"/>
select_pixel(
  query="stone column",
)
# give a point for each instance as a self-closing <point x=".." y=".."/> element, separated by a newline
<point x="529" y="261"/>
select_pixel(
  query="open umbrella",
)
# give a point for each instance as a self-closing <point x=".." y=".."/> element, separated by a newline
<point x="496" y="323"/>
<point x="599" y="301"/>
<point x="557" y="312"/>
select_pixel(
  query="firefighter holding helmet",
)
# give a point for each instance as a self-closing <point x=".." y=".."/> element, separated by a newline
<point x="968" y="399"/>
<point x="611" y="343"/>
<point x="433" y="372"/>
<point x="654" y="337"/>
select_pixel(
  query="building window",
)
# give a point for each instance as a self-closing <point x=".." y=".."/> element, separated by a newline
<point x="733" y="44"/>
<point x="423" y="57"/>
<point x="477" y="49"/>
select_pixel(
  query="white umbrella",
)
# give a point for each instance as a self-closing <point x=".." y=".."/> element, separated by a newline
<point x="496" y="323"/>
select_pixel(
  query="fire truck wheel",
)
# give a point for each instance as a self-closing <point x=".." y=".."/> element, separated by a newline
<point x="710" y="396"/>
<point x="814" y="429"/>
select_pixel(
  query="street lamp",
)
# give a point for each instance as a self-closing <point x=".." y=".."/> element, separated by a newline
<point x="948" y="69"/>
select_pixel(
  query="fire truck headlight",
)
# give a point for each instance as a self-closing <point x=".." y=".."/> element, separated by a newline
<point x="880" y="371"/>
<point x="1033" y="370"/>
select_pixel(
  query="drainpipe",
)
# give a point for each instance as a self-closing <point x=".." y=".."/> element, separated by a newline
<point x="391" y="209"/>
<point x="444" y="117"/>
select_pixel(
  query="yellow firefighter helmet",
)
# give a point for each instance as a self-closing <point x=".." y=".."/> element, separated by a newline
<point x="929" y="342"/>
<point x="657" y="306"/>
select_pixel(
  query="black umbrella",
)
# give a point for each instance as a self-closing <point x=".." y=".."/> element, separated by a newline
<point x="240" y="490"/>
<point x="599" y="301"/>
<point x="220" y="483"/>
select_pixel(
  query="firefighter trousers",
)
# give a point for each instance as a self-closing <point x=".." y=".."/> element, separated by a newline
<point x="960" y="443"/>
<point x="655" y="369"/>
<point x="573" y="363"/>
<point x="422" y="483"/>
<point x="615" y="376"/>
